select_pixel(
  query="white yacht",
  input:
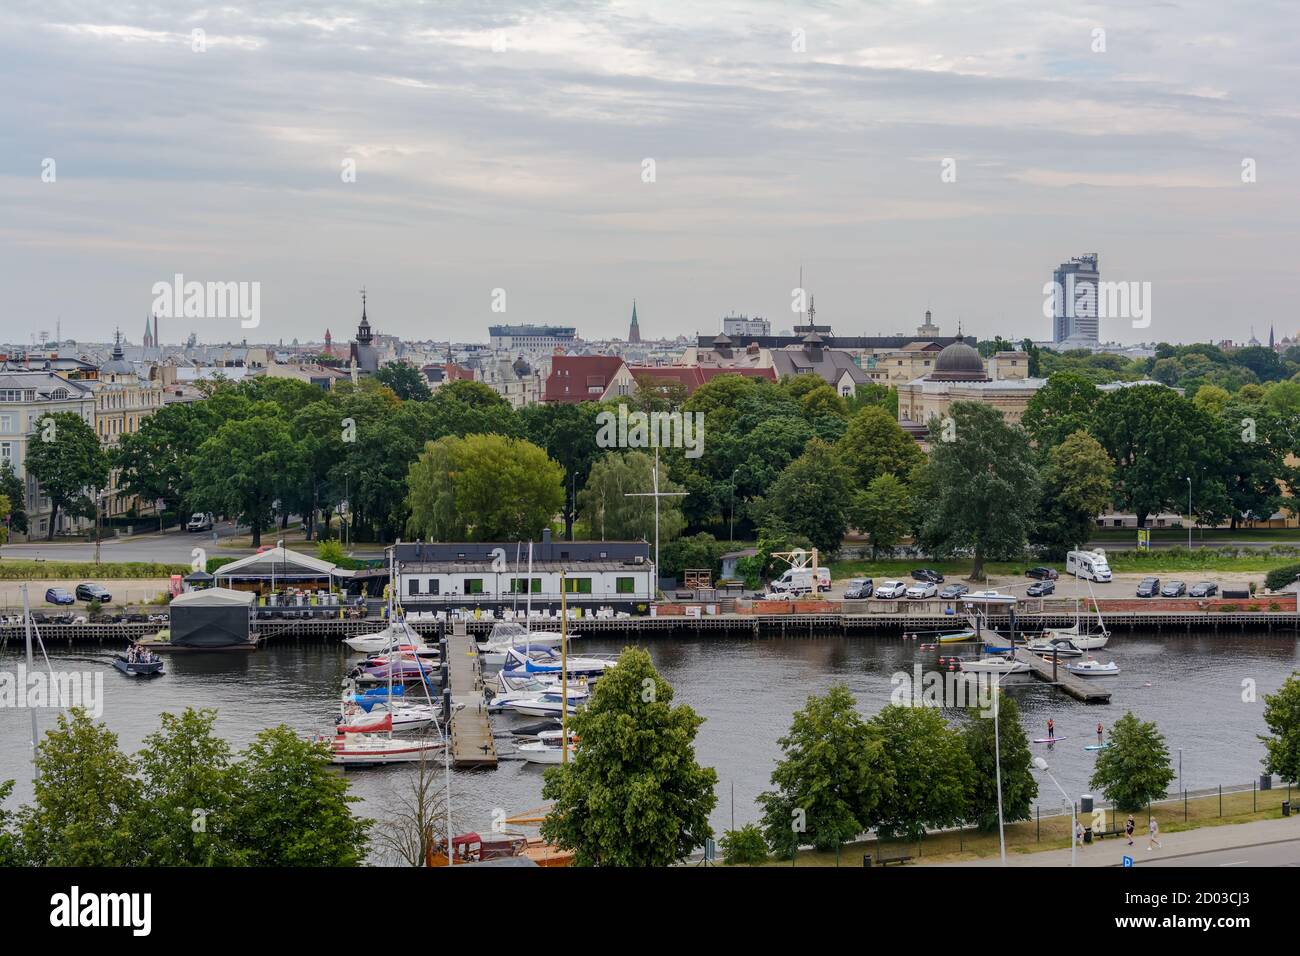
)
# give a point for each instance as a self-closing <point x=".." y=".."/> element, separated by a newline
<point x="547" y="749"/>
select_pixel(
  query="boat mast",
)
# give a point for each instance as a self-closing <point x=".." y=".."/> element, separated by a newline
<point x="564" y="674"/>
<point x="31" y="667"/>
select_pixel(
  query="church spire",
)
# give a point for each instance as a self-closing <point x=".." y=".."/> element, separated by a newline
<point x="634" y="334"/>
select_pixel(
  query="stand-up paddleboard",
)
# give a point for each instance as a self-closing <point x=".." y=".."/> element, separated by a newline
<point x="1096" y="746"/>
<point x="1046" y="740"/>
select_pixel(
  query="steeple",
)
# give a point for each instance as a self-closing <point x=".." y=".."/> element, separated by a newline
<point x="147" y="341"/>
<point x="634" y="334"/>
<point x="363" y="330"/>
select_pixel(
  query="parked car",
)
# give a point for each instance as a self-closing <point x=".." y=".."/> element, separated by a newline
<point x="1042" y="574"/>
<point x="953" y="591"/>
<point x="94" y="592"/>
<point x="858" y="589"/>
<point x="922" y="590"/>
<point x="59" y="596"/>
<point x="1041" y="589"/>
<point x="1204" y="589"/>
<point x="1173" y="589"/>
<point x="891" y="589"/>
<point x="200" y="521"/>
<point x="1149" y="587"/>
<point x="928" y="575"/>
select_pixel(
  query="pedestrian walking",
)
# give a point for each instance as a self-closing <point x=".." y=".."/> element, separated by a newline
<point x="1153" y="832"/>
<point x="1128" y="829"/>
<point x="1078" y="832"/>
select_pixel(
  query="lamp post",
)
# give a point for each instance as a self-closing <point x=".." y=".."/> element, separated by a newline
<point x="1189" y="513"/>
<point x="1041" y="764"/>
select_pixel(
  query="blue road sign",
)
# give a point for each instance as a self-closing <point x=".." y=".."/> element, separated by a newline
<point x="1128" y="861"/>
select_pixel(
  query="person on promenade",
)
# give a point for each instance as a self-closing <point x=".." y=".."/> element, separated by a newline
<point x="1128" y="829"/>
<point x="1153" y="831"/>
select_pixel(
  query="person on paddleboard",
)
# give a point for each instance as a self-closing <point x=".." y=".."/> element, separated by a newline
<point x="1100" y="731"/>
<point x="1051" y="729"/>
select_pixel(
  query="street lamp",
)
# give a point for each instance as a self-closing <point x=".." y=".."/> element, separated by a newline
<point x="1189" y="513"/>
<point x="1041" y="764"/>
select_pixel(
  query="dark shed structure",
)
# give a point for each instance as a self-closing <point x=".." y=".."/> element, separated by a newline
<point x="212" y="618"/>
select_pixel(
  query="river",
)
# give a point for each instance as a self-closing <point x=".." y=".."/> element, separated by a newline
<point x="1192" y="685"/>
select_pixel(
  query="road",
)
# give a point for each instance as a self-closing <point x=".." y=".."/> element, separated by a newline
<point x="1267" y="854"/>
<point x="172" y="547"/>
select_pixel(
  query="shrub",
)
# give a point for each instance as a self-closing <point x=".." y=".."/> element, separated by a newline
<point x="1281" y="577"/>
<point x="1229" y="608"/>
<point x="745" y="846"/>
<point x="331" y="551"/>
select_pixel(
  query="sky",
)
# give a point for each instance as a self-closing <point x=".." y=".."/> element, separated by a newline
<point x="559" y="159"/>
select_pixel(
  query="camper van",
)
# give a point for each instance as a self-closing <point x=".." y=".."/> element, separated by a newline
<point x="1089" y="565"/>
<point x="801" y="579"/>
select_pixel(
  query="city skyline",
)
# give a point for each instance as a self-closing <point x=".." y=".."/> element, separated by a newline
<point x="508" y="152"/>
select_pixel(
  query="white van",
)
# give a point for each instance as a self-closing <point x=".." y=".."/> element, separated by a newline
<point x="801" y="579"/>
<point x="1089" y="565"/>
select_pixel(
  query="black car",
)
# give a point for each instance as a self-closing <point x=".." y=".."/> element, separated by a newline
<point x="858" y="589"/>
<point x="1042" y="574"/>
<point x="953" y="591"/>
<point x="1149" y="587"/>
<point x="1041" y="589"/>
<point x="93" y="592"/>
<point x="1173" y="589"/>
<point x="927" y="575"/>
<point x="1204" y="589"/>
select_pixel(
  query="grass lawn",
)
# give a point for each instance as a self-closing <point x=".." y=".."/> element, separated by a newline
<point x="11" y="570"/>
<point x="1053" y="832"/>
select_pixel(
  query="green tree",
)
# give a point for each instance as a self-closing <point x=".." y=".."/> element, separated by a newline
<point x="153" y="461"/>
<point x="66" y="460"/>
<point x="979" y="490"/>
<point x="85" y="795"/>
<point x="874" y="444"/>
<point x="743" y="847"/>
<point x="1282" y="715"/>
<point x="241" y="469"/>
<point x="293" y="810"/>
<point x="405" y="380"/>
<point x="611" y="515"/>
<point x="812" y="496"/>
<point x="697" y="551"/>
<point x="1134" y="769"/>
<point x="930" y="773"/>
<point x="634" y="794"/>
<point x="830" y="779"/>
<point x="1065" y="405"/>
<point x="191" y="792"/>
<point x="482" y="488"/>
<point x="10" y="846"/>
<point x="1076" y="488"/>
<point x="568" y="434"/>
<point x="11" y="486"/>
<point x="883" y="511"/>
<point x="1019" y="788"/>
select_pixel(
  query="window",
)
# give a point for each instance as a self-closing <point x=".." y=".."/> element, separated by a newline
<point x="625" y="585"/>
<point x="6" y="423"/>
<point x="520" y="585"/>
<point x="577" y="585"/>
<point x="435" y="586"/>
<point x="473" y="585"/>
<point x="412" y="586"/>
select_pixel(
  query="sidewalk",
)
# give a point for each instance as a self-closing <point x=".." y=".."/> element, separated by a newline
<point x="1112" y="850"/>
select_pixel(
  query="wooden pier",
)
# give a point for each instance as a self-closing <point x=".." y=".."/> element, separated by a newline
<point x="1080" y="688"/>
<point x="472" y="744"/>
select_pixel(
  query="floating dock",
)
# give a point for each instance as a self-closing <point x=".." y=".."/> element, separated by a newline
<point x="1088" y="690"/>
<point x="472" y="744"/>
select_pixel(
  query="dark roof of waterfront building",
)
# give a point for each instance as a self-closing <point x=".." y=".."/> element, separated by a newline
<point x="835" y="341"/>
<point x="547" y="549"/>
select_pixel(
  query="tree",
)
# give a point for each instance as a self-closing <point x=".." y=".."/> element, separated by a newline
<point x="1065" y="405"/>
<point x="1019" y="788"/>
<point x="568" y="434"/>
<point x="66" y="460"/>
<point x="241" y="469"/>
<point x="405" y="380"/>
<point x="10" y="847"/>
<point x="11" y="486"/>
<point x="293" y="809"/>
<point x="85" y="795"/>
<point x="634" y="794"/>
<point x="414" y="828"/>
<point x="883" y="511"/>
<point x="979" y="490"/>
<point x="874" y="444"/>
<point x="830" y="779"/>
<point x="1076" y="488"/>
<point x="152" y="461"/>
<point x="930" y="773"/>
<point x="1134" y="769"/>
<point x="191" y="790"/>
<point x="611" y="515"/>
<point x="745" y="847"/>
<point x="812" y="496"/>
<point x="698" y="551"/>
<point x="1282" y="715"/>
<point x="482" y="488"/>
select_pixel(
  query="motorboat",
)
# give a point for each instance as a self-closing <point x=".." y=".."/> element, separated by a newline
<point x="398" y="636"/>
<point x="1092" y="668"/>
<point x="1060" y="646"/>
<point x="498" y="658"/>
<point x="399" y="670"/>
<point x="138" y="662"/>
<point x="546" y="661"/>
<point x="547" y="748"/>
<point x="957" y="637"/>
<point x="1083" y="640"/>
<point x="515" y="688"/>
<point x="546" y="703"/>
<point x="1001" y="666"/>
<point x="508" y="634"/>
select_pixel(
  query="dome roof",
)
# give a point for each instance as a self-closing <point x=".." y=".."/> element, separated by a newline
<point x="959" y="361"/>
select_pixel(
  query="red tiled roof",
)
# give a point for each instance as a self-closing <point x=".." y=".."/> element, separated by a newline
<point x="573" y="377"/>
<point x="693" y="376"/>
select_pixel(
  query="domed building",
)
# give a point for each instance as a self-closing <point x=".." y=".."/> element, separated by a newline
<point x="958" y="362"/>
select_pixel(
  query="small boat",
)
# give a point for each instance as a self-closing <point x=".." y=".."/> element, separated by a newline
<point x="547" y="703"/>
<point x="1092" y="668"/>
<point x="1083" y="640"/>
<point x="547" y="749"/>
<point x="546" y="661"/>
<point x="398" y="636"/>
<point x="1046" y="740"/>
<point x="368" y="749"/>
<point x="957" y="636"/>
<point x="139" y="663"/>
<point x="994" y="665"/>
<point x="401" y="670"/>
<point x="379" y="717"/>
<point x="1096" y="747"/>
<point x="508" y="634"/>
<point x="1060" y="646"/>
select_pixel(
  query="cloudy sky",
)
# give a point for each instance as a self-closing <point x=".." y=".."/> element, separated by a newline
<point x="504" y="146"/>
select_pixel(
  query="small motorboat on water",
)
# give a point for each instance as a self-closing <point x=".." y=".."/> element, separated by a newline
<point x="1092" y="668"/>
<point x="547" y="749"/>
<point x="399" y="670"/>
<point x="365" y="749"/>
<point x="1060" y="646"/>
<point x="547" y="703"/>
<point x="138" y="662"/>
<point x="398" y="636"/>
<point x="508" y="634"/>
<point x="546" y="661"/>
<point x="513" y="688"/>
<point x="1001" y="666"/>
<point x="957" y="637"/>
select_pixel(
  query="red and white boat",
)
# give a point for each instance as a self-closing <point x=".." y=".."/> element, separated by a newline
<point x="362" y="749"/>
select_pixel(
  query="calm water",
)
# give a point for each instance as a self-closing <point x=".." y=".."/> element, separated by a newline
<point x="1191" y="685"/>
